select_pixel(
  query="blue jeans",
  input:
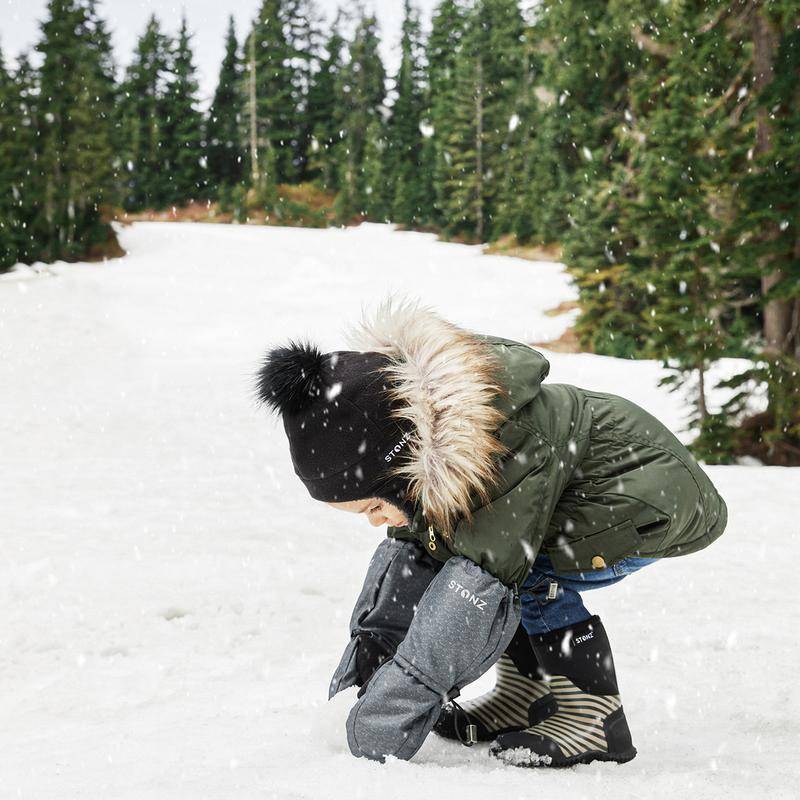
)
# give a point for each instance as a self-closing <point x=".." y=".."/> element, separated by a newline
<point x="551" y="601"/>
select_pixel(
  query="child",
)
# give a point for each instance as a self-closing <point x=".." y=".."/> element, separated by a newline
<point x="505" y="499"/>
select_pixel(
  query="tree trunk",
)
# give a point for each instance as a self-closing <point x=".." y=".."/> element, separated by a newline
<point x="777" y="320"/>
<point x="253" y="119"/>
<point x="702" y="406"/>
<point x="794" y="330"/>
<point x="479" y="151"/>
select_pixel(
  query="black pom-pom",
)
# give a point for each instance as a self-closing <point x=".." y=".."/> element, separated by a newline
<point x="290" y="378"/>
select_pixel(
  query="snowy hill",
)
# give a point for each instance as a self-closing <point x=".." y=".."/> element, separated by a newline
<point x="166" y="634"/>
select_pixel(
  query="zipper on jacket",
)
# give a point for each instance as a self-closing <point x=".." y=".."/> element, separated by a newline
<point x="431" y="539"/>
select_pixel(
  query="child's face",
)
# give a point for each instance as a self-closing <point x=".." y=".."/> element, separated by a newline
<point x="378" y="511"/>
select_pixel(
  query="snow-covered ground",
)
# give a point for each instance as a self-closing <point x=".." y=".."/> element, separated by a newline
<point x="172" y="603"/>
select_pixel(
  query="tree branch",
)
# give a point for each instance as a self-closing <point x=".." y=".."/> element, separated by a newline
<point x="651" y="45"/>
<point x="730" y="90"/>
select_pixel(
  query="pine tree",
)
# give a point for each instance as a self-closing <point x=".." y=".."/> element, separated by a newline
<point x="182" y="141"/>
<point x="651" y="237"/>
<point x="766" y="224"/>
<point x="598" y="252"/>
<point x="516" y="203"/>
<point x="280" y="44"/>
<point x="324" y="115"/>
<point x="147" y="184"/>
<point x="361" y="93"/>
<point x="226" y="152"/>
<point x="76" y="127"/>
<point x="487" y="74"/>
<point x="22" y="153"/>
<point x="411" y="192"/>
<point x="681" y="210"/>
<point x="447" y="30"/>
<point x="587" y="54"/>
<point x="587" y="196"/>
<point x="305" y="41"/>
<point x="376" y="202"/>
<point x="9" y="185"/>
<point x="8" y="121"/>
<point x="771" y="187"/>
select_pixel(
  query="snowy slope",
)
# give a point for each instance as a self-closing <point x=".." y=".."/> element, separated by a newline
<point x="172" y="604"/>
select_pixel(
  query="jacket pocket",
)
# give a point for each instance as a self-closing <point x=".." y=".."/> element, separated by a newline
<point x="606" y="546"/>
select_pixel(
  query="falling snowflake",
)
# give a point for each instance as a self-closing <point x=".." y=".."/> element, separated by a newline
<point x="333" y="391"/>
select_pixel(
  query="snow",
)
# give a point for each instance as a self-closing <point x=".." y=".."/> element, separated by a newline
<point x="174" y="604"/>
<point x="522" y="757"/>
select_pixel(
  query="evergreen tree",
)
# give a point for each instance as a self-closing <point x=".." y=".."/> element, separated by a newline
<point x="411" y="192"/>
<point x="770" y="187"/>
<point x="305" y="41"/>
<point x="226" y="153"/>
<point x="361" y="93"/>
<point x="183" y="148"/>
<point x="147" y="184"/>
<point x="324" y="115"/>
<point x="280" y="47"/>
<point x="376" y="189"/>
<point x="651" y="237"/>
<point x="588" y="196"/>
<point x="680" y="211"/>
<point x="587" y="54"/>
<point x="9" y="177"/>
<point x="76" y="127"/>
<point x="447" y="30"/>
<point x="23" y="151"/>
<point x="487" y="74"/>
<point x="766" y="224"/>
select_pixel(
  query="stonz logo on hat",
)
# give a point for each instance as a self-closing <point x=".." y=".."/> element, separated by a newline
<point x="398" y="447"/>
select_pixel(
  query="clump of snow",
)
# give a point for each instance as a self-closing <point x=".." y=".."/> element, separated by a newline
<point x="522" y="757"/>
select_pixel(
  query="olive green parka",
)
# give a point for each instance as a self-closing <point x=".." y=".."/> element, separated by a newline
<point x="504" y="467"/>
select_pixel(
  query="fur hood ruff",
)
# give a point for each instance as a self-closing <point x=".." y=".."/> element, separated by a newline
<point x="445" y="379"/>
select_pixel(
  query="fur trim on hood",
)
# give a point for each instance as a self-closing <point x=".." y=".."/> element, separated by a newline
<point x="445" y="380"/>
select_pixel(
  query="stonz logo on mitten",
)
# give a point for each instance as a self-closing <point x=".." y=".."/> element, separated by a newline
<point x="397" y="448"/>
<point x="468" y="595"/>
<point x="584" y="638"/>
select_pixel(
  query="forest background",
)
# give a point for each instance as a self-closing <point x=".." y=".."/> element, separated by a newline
<point x="653" y="146"/>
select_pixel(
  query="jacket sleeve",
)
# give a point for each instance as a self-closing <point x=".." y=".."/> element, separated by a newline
<point x="464" y="621"/>
<point x="398" y="574"/>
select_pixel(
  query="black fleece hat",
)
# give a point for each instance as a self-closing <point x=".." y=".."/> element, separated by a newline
<point x="344" y="438"/>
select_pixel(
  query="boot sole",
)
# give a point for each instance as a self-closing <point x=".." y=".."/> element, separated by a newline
<point x="581" y="758"/>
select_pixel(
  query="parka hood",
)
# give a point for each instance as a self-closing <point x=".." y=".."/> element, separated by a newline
<point x="448" y="384"/>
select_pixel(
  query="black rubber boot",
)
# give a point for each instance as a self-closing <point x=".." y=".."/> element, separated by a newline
<point x="589" y="723"/>
<point x="519" y="698"/>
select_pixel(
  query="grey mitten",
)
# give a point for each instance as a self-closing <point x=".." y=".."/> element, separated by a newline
<point x="464" y="622"/>
<point x="397" y="577"/>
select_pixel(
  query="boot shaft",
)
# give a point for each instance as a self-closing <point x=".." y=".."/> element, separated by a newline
<point x="580" y="652"/>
